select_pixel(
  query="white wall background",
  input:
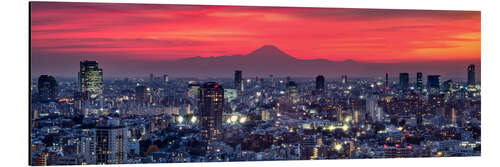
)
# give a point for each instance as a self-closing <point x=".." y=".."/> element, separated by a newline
<point x="14" y="79"/>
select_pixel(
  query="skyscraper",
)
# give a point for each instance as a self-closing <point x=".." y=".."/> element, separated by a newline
<point x="90" y="78"/>
<point x="372" y="106"/>
<point x="471" y="75"/>
<point x="165" y="78"/>
<point x="111" y="143"/>
<point x="420" y="82"/>
<point x="211" y="107"/>
<point x="433" y="83"/>
<point x="238" y="81"/>
<point x="142" y="95"/>
<point x="320" y="83"/>
<point x="292" y="91"/>
<point x="344" y="79"/>
<point x="386" y="80"/>
<point x="47" y="88"/>
<point x="404" y="81"/>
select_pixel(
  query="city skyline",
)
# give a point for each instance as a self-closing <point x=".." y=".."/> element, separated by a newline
<point x="158" y="34"/>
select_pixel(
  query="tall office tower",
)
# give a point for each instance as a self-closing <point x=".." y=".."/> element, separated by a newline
<point x="320" y="83"/>
<point x="142" y="95"/>
<point x="111" y="142"/>
<point x="211" y="107"/>
<point x="386" y="80"/>
<point x="471" y="75"/>
<point x="90" y="79"/>
<point x="344" y="79"/>
<point x="420" y="82"/>
<point x="151" y="78"/>
<point x="372" y="107"/>
<point x="404" y="81"/>
<point x="433" y="83"/>
<point x="165" y="78"/>
<point x="238" y="82"/>
<point x="292" y="91"/>
<point x="47" y="88"/>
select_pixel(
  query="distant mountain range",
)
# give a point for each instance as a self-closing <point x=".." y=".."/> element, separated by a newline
<point x="271" y="60"/>
<point x="261" y="62"/>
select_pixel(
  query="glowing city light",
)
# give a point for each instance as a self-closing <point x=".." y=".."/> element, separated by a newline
<point x="193" y="119"/>
<point x="331" y="127"/>
<point x="180" y="119"/>
<point x="243" y="120"/>
<point x="345" y="127"/>
<point x="234" y="118"/>
<point x="338" y="147"/>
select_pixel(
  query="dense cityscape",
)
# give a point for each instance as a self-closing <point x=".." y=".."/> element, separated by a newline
<point x="157" y="119"/>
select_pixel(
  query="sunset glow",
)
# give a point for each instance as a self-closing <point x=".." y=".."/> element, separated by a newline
<point x="166" y="32"/>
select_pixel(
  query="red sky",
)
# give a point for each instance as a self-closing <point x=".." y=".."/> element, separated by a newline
<point x="169" y="32"/>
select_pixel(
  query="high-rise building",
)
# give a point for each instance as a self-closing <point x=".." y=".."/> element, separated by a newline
<point x="320" y="83"/>
<point x="386" y="80"/>
<point x="90" y="79"/>
<point x="151" y="78"/>
<point x="165" y="78"/>
<point x="292" y="90"/>
<point x="142" y="95"/>
<point x="344" y="79"/>
<point x="47" y="88"/>
<point x="420" y="82"/>
<point x="238" y="81"/>
<point x="193" y="89"/>
<point x="111" y="143"/>
<point x="433" y="83"/>
<point x="211" y="107"/>
<point x="372" y="106"/>
<point x="404" y="81"/>
<point x="471" y="75"/>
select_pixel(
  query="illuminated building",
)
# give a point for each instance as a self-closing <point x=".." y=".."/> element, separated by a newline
<point x="471" y="75"/>
<point x="211" y="107"/>
<point x="292" y="91"/>
<point x="90" y="78"/>
<point x="372" y="107"/>
<point x="47" y="88"/>
<point x="111" y="143"/>
<point x="420" y="82"/>
<point x="193" y="90"/>
<point x="398" y="152"/>
<point x="433" y="83"/>
<point x="230" y="94"/>
<point x="344" y="79"/>
<point x="165" y="78"/>
<point x="238" y="81"/>
<point x="320" y="83"/>
<point x="404" y="81"/>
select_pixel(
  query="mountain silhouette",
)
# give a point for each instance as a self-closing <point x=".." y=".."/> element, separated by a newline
<point x="270" y="53"/>
<point x="269" y="59"/>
